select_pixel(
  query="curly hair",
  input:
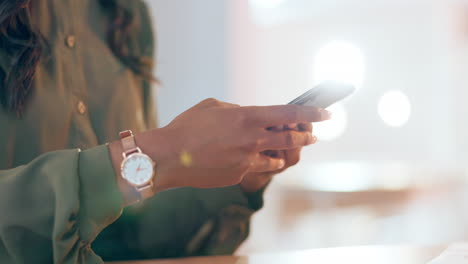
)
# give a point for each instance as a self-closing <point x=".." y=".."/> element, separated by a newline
<point x="19" y="36"/>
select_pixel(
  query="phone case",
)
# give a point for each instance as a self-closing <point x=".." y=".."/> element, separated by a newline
<point x="324" y="94"/>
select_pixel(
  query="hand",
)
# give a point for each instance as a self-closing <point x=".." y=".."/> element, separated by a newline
<point x="215" y="144"/>
<point x="253" y="182"/>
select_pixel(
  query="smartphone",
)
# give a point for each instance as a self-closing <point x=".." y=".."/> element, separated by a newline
<point x="325" y="94"/>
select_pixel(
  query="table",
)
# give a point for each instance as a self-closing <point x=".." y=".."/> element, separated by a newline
<point x="358" y="255"/>
<point x="388" y="205"/>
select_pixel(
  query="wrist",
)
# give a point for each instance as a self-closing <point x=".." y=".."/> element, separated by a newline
<point x="157" y="145"/>
<point x="151" y="145"/>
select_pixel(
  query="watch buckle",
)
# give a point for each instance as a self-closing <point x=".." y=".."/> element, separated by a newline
<point x="131" y="151"/>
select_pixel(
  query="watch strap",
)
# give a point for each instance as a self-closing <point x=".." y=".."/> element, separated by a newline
<point x="128" y="142"/>
<point x="145" y="191"/>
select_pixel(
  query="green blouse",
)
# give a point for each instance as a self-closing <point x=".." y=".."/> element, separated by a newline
<point x="60" y="204"/>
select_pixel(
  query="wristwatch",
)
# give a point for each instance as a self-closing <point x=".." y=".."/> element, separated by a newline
<point x="137" y="169"/>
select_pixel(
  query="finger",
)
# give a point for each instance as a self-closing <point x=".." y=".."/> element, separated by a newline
<point x="285" y="140"/>
<point x="263" y="163"/>
<point x="270" y="116"/>
<point x="292" y="157"/>
<point x="305" y="127"/>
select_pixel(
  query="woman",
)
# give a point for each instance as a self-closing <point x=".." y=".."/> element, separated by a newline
<point x="74" y="74"/>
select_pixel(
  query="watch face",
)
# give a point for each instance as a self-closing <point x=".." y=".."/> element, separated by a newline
<point x="138" y="169"/>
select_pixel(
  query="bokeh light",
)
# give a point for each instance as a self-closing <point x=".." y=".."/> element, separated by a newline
<point x="334" y="128"/>
<point x="394" y="108"/>
<point x="340" y="61"/>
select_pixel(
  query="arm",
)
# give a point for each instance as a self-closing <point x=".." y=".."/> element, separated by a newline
<point x="54" y="207"/>
<point x="57" y="204"/>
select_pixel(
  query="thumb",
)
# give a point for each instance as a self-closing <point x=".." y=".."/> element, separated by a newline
<point x="263" y="163"/>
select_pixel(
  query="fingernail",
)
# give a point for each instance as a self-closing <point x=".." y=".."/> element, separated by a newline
<point x="311" y="139"/>
<point x="281" y="164"/>
<point x="326" y="115"/>
<point x="314" y="139"/>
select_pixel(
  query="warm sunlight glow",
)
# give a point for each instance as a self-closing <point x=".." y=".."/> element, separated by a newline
<point x="394" y="108"/>
<point x="340" y="61"/>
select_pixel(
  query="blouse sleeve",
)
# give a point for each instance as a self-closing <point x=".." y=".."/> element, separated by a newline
<point x="54" y="207"/>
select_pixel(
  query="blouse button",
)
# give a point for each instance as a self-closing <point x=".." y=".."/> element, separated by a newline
<point x="81" y="107"/>
<point x="70" y="41"/>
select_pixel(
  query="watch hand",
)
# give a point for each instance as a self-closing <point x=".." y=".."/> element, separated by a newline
<point x="140" y="169"/>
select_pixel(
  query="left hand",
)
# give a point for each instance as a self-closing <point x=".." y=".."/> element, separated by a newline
<point x="253" y="182"/>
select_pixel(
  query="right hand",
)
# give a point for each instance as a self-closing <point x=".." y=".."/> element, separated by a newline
<point x="214" y="144"/>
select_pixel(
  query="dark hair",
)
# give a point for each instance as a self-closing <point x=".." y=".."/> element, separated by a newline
<point x="19" y="37"/>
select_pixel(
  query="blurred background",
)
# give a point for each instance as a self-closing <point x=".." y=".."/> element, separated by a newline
<point x="390" y="168"/>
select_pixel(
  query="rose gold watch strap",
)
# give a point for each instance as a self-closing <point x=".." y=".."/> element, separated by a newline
<point x="128" y="142"/>
<point x="146" y="191"/>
